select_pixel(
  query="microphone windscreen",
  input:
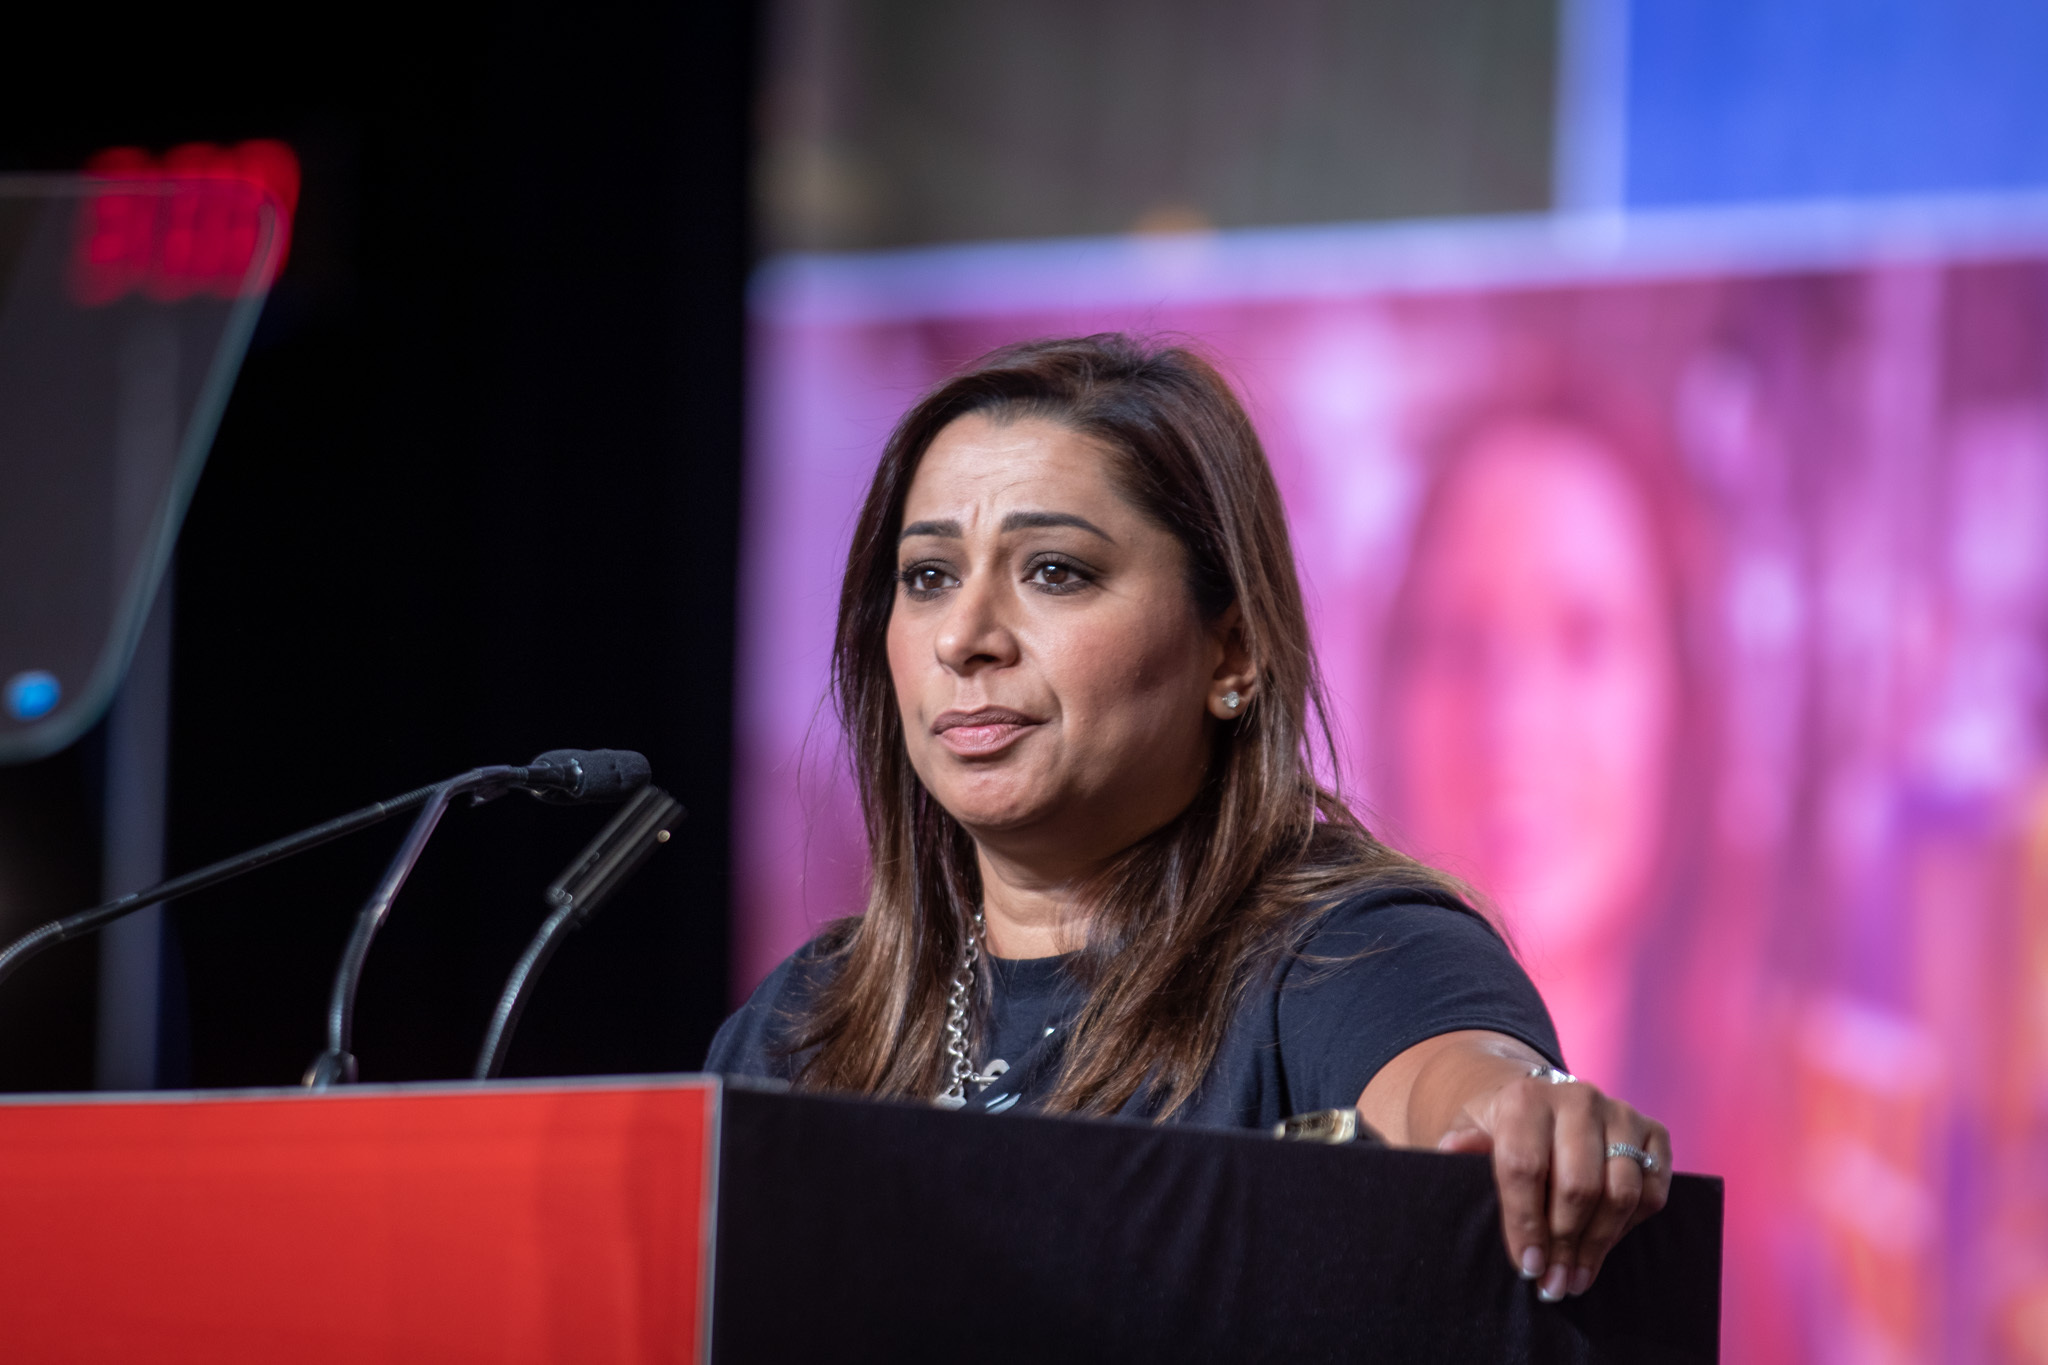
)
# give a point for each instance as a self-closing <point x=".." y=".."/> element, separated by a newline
<point x="598" y="774"/>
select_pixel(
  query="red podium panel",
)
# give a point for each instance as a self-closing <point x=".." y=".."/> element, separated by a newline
<point x="510" y="1224"/>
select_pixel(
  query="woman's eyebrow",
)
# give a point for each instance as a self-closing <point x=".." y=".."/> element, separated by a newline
<point x="1033" y="521"/>
<point x="1015" y="521"/>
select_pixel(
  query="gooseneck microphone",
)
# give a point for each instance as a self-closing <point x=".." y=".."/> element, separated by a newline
<point x="563" y="775"/>
<point x="599" y="870"/>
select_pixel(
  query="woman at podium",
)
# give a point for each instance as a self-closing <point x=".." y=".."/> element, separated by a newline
<point x="1076" y="678"/>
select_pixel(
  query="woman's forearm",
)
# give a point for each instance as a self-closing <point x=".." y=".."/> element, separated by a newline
<point x="1432" y="1087"/>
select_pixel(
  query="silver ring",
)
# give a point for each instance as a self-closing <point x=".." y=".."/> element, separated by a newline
<point x="1635" y="1154"/>
<point x="1552" y="1075"/>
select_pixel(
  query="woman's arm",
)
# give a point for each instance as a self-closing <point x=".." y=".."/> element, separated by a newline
<point x="1564" y="1201"/>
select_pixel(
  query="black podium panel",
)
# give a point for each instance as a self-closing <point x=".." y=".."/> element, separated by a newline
<point x="855" y="1231"/>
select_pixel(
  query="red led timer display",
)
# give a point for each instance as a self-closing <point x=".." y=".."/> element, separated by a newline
<point x="184" y="224"/>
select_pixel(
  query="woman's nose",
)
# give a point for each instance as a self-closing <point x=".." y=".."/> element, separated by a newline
<point x="975" y="632"/>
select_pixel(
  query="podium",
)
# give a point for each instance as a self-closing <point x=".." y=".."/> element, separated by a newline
<point x="681" y="1219"/>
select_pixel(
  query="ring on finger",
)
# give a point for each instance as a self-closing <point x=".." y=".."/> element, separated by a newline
<point x="1552" y="1075"/>
<point x="1633" y="1153"/>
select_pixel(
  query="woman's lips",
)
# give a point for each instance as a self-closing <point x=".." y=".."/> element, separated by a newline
<point x="980" y="733"/>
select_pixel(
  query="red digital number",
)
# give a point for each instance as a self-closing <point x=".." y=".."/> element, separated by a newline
<point x="187" y="224"/>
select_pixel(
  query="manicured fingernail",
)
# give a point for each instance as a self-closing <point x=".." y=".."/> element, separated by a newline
<point x="1582" y="1280"/>
<point x="1532" y="1263"/>
<point x="1552" y="1288"/>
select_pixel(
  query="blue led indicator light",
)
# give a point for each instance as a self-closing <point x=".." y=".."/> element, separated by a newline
<point x="33" y="695"/>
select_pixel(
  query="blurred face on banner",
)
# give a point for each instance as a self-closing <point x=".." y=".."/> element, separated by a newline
<point x="1535" y="703"/>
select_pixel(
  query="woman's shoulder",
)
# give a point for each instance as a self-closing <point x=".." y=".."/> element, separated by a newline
<point x="1386" y="908"/>
<point x="1400" y="962"/>
<point x="753" y="1040"/>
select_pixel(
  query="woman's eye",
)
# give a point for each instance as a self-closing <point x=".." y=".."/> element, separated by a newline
<point x="925" y="580"/>
<point x="1057" y="576"/>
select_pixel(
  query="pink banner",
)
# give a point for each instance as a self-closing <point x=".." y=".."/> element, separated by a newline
<point x="1685" y="593"/>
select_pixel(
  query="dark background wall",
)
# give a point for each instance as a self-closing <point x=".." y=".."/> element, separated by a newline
<point x="474" y="496"/>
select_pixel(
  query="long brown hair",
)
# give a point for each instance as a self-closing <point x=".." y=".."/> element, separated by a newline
<point x="1181" y="922"/>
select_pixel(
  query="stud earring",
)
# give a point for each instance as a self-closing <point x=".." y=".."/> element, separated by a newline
<point x="1231" y="699"/>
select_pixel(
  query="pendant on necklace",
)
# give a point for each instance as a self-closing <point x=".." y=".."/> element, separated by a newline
<point x="980" y="1080"/>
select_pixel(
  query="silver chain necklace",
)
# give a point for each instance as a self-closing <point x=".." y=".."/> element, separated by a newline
<point x="960" y="1072"/>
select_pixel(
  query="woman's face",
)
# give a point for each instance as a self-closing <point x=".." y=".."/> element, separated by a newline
<point x="1539" y="693"/>
<point x="1054" y="677"/>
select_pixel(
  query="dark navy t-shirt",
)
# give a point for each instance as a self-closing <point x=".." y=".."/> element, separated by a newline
<point x="1379" y="974"/>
